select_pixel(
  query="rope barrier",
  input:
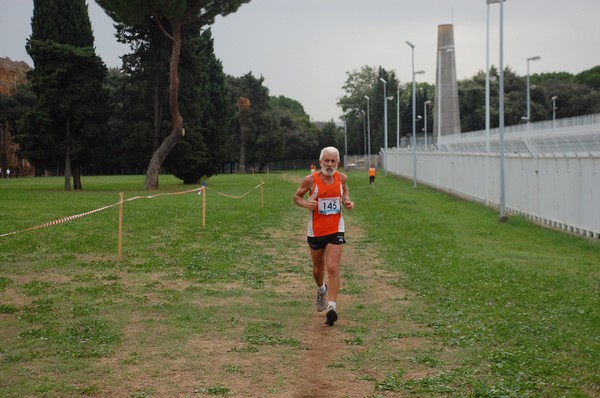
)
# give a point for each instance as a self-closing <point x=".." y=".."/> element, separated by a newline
<point x="87" y="213"/>
<point x="237" y="197"/>
<point x="163" y="194"/>
<point x="262" y="203"/>
<point x="61" y="220"/>
<point x="120" y="203"/>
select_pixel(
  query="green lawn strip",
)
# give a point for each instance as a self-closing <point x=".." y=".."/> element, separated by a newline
<point x="495" y="309"/>
<point x="523" y="298"/>
<point x="78" y="306"/>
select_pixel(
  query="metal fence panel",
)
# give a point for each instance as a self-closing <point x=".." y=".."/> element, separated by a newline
<point x="553" y="177"/>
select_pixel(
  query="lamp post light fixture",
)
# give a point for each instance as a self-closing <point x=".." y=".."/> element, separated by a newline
<point x="487" y="77"/>
<point x="364" y="118"/>
<point x="385" y="126"/>
<point x="414" y="111"/>
<point x="414" y="128"/>
<point x="487" y="99"/>
<point x="398" y="117"/>
<point x="345" y="144"/>
<point x="502" y="217"/>
<point x="438" y="105"/>
<point x="389" y="98"/>
<point x="528" y="117"/>
<point x="425" y="118"/>
<point x="554" y="111"/>
<point x="415" y="120"/>
<point x="368" y="131"/>
<point x="487" y="87"/>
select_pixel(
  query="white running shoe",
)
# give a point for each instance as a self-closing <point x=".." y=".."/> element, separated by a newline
<point x="321" y="303"/>
<point x="331" y="315"/>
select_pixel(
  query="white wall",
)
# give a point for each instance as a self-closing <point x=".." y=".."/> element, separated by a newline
<point x="554" y="188"/>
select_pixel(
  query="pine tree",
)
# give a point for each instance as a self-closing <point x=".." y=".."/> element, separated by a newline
<point x="66" y="78"/>
<point x="171" y="17"/>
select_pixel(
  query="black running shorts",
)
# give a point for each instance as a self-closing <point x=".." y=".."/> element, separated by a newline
<point x="320" y="242"/>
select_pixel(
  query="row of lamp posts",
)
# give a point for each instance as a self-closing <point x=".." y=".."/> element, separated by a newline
<point x="449" y="48"/>
<point x="414" y="119"/>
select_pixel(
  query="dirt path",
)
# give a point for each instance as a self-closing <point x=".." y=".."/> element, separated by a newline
<point x="346" y="360"/>
<point x="321" y="370"/>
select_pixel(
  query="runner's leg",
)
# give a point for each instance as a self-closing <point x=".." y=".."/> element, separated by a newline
<point x="318" y="259"/>
<point x="333" y="254"/>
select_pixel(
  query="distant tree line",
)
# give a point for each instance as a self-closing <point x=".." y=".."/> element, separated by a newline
<point x="75" y="114"/>
<point x="575" y="95"/>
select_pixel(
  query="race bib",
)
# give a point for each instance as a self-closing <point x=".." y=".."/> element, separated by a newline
<point x="329" y="206"/>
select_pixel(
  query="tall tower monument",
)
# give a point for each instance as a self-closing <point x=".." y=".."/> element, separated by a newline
<point x="446" y="118"/>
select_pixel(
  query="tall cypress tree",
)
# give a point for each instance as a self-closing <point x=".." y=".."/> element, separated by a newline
<point x="67" y="79"/>
<point x="62" y="21"/>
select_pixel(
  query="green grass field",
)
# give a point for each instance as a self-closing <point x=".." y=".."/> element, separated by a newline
<point x="438" y="298"/>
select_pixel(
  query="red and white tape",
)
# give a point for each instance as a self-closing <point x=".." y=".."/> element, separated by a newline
<point x="87" y="213"/>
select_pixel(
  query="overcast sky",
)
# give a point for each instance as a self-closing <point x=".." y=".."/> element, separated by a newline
<point x="304" y="48"/>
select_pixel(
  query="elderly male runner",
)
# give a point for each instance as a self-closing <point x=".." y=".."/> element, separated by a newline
<point x="328" y="192"/>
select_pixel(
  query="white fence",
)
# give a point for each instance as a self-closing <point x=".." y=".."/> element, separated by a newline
<point x="552" y="174"/>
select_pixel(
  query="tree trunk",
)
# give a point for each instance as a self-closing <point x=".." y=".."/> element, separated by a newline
<point x="243" y="153"/>
<point x="171" y="140"/>
<point x="243" y="105"/>
<point x="77" y="178"/>
<point x="157" y="113"/>
<point x="68" y="155"/>
<point x="2" y="144"/>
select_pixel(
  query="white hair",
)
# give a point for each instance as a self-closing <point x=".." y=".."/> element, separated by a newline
<point x="329" y="149"/>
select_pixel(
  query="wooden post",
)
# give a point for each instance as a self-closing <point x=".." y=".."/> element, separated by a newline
<point x="120" y="248"/>
<point x="262" y="194"/>
<point x="203" y="205"/>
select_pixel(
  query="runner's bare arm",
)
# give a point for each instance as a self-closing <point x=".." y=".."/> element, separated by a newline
<point x="306" y="187"/>
<point x="348" y="204"/>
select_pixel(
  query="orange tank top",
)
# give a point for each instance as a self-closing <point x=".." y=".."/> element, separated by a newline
<point x="327" y="218"/>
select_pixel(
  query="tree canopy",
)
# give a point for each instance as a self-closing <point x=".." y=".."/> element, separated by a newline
<point x="575" y="95"/>
<point x="170" y="16"/>
<point x="66" y="78"/>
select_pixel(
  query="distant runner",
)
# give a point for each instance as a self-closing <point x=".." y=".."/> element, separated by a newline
<point x="372" y="172"/>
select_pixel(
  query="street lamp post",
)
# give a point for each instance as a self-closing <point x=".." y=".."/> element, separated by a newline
<point x="425" y="123"/>
<point x="345" y="144"/>
<point x="415" y="120"/>
<point x="385" y="126"/>
<point x="364" y="118"/>
<point x="368" y="131"/>
<point x="398" y="117"/>
<point x="487" y="103"/>
<point x="438" y="105"/>
<point x="414" y="127"/>
<point x="414" y="111"/>
<point x="554" y="111"/>
<point x="502" y="218"/>
<point x="528" y="117"/>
